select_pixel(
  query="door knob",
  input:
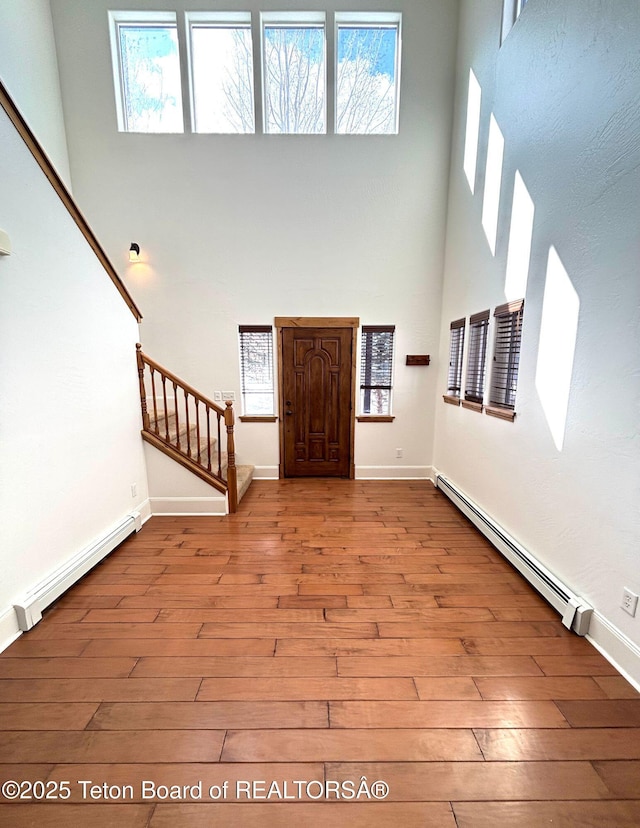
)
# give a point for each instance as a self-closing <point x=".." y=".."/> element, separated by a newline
<point x="288" y="413"/>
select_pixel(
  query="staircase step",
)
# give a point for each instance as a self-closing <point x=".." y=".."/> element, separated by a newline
<point x="163" y="425"/>
<point x="245" y="476"/>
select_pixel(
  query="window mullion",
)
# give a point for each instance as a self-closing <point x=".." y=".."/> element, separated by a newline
<point x="184" y="53"/>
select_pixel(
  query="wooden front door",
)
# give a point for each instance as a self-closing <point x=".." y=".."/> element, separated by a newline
<point x="316" y="401"/>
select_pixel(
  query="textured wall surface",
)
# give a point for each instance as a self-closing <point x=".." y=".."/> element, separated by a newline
<point x="564" y="478"/>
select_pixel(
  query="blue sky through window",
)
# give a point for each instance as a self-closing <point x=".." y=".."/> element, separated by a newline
<point x="366" y="82"/>
<point x="380" y="41"/>
<point x="152" y="99"/>
<point x="221" y="58"/>
<point x="294" y="79"/>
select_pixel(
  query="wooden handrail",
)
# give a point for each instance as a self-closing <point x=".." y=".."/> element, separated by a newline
<point x="157" y="427"/>
<point x="174" y="378"/>
<point x="59" y="186"/>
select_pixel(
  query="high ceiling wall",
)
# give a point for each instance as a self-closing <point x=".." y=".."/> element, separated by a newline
<point x="239" y="229"/>
<point x="29" y="72"/>
<point x="560" y="97"/>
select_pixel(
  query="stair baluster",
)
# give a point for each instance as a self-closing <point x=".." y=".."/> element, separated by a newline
<point x="153" y="400"/>
<point x="166" y="411"/>
<point x="198" y="430"/>
<point x="196" y="458"/>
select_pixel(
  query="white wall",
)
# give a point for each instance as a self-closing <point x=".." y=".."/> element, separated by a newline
<point x="564" y="91"/>
<point x="69" y="406"/>
<point x="240" y="229"/>
<point x="29" y="71"/>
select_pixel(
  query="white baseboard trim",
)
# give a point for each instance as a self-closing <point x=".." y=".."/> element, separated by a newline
<point x="9" y="629"/>
<point x="188" y="505"/>
<point x="614" y="645"/>
<point x="144" y="510"/>
<point x="394" y="473"/>
<point x="266" y="473"/>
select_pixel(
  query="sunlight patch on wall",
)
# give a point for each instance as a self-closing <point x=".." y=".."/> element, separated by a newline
<point x="520" y="237"/>
<point x="558" y="332"/>
<point x="474" y="100"/>
<point x="492" y="184"/>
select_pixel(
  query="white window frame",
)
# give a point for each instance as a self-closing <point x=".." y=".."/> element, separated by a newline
<point x="368" y="20"/>
<point x="267" y="332"/>
<point x="372" y="329"/>
<point x="291" y="19"/>
<point x="511" y="11"/>
<point x="457" y="330"/>
<point x="214" y="19"/>
<point x="136" y="18"/>
<point x="476" y="373"/>
<point x="506" y="359"/>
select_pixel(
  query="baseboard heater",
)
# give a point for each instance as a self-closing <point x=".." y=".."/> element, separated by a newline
<point x="29" y="610"/>
<point x="575" y="612"/>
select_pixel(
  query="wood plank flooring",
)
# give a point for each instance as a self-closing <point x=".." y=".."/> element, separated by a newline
<point x="271" y="667"/>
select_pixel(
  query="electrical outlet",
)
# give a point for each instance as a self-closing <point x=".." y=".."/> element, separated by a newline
<point x="629" y="601"/>
<point x="399" y="453"/>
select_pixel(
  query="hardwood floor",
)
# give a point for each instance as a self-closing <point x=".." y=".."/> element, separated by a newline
<point x="329" y="636"/>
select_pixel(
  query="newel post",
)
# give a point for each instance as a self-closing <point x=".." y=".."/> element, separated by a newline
<point x="232" y="474"/>
<point x="143" y="393"/>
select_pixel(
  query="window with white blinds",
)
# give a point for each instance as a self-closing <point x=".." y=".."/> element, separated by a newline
<point x="506" y="354"/>
<point x="256" y="370"/>
<point x="476" y="357"/>
<point x="456" y="347"/>
<point x="376" y="369"/>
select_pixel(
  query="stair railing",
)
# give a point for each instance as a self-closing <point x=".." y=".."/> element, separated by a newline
<point x="183" y="424"/>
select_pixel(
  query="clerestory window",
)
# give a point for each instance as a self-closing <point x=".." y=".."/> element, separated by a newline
<point x="221" y="72"/>
<point x="223" y="65"/>
<point x="367" y="73"/>
<point x="294" y="72"/>
<point x="146" y="69"/>
<point x="511" y="11"/>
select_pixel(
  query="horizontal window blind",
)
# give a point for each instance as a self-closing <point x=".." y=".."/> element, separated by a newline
<point x="506" y="354"/>
<point x="476" y="358"/>
<point x="376" y="368"/>
<point x="456" y="347"/>
<point x="256" y="369"/>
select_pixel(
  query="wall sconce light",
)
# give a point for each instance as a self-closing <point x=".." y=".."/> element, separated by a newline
<point x="5" y="243"/>
<point x="134" y="252"/>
